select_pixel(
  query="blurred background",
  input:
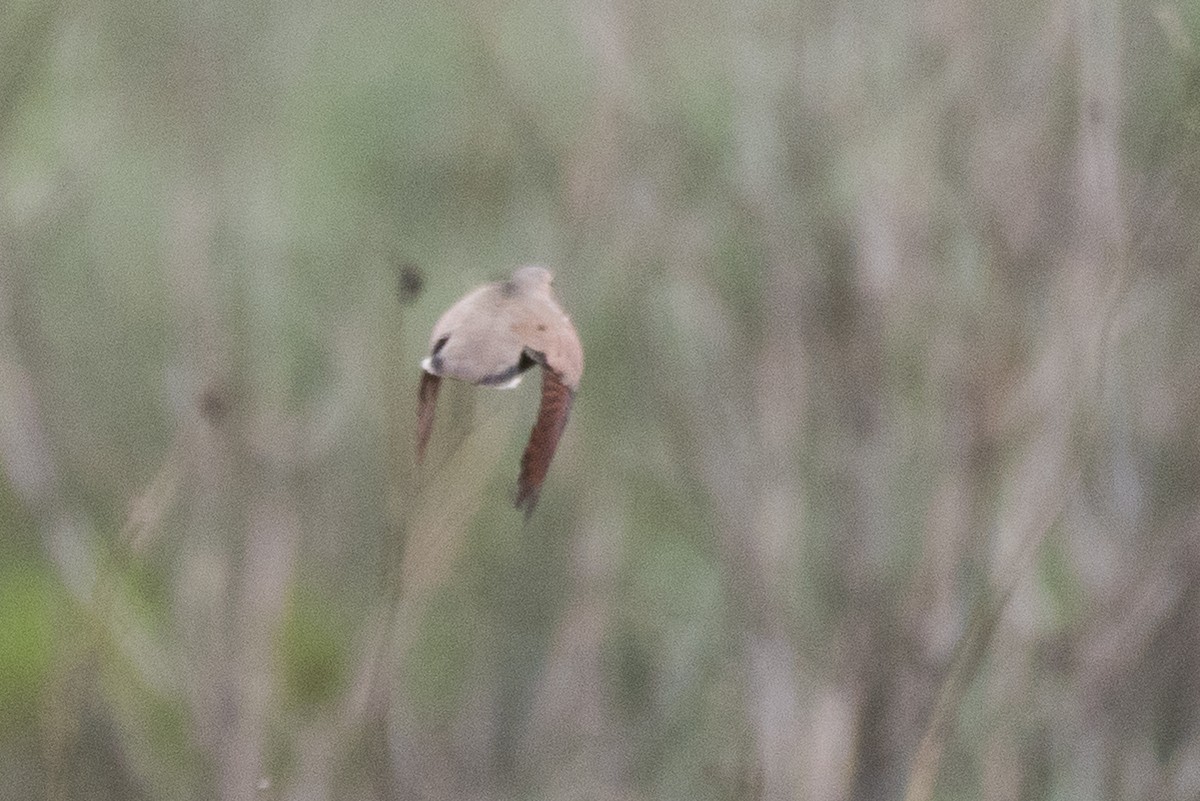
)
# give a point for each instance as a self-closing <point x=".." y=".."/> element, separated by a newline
<point x="882" y="481"/>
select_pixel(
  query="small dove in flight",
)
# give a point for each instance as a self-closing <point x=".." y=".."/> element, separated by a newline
<point x="489" y="338"/>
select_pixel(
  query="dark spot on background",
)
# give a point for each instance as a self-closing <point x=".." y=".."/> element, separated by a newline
<point x="214" y="403"/>
<point x="409" y="282"/>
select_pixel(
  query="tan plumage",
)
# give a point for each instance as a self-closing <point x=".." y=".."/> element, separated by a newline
<point x="490" y="338"/>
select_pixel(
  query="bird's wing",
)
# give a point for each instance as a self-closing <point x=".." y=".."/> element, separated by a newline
<point x="426" y="401"/>
<point x="550" y="339"/>
<point x="553" y="412"/>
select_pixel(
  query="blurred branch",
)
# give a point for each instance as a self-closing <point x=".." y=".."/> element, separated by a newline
<point x="1072" y="369"/>
<point x="972" y="648"/>
<point x="149" y="507"/>
<point x="571" y="723"/>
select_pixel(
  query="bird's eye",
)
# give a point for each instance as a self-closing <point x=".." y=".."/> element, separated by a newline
<point x="441" y="343"/>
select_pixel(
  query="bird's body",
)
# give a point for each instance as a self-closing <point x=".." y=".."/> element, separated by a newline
<point x="490" y="338"/>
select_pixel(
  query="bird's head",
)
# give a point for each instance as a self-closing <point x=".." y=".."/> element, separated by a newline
<point x="532" y="276"/>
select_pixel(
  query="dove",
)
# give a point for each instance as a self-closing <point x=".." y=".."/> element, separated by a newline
<point x="490" y="338"/>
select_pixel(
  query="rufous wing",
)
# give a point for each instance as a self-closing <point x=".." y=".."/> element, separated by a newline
<point x="426" y="401"/>
<point x="553" y="412"/>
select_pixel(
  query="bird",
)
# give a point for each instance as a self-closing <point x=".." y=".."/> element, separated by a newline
<point x="490" y="338"/>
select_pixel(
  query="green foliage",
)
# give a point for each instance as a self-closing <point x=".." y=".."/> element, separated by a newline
<point x="31" y="617"/>
<point x="436" y="682"/>
<point x="312" y="654"/>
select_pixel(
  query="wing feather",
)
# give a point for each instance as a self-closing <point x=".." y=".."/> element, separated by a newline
<point x="545" y="328"/>
<point x="553" y="412"/>
<point x="426" y="401"/>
